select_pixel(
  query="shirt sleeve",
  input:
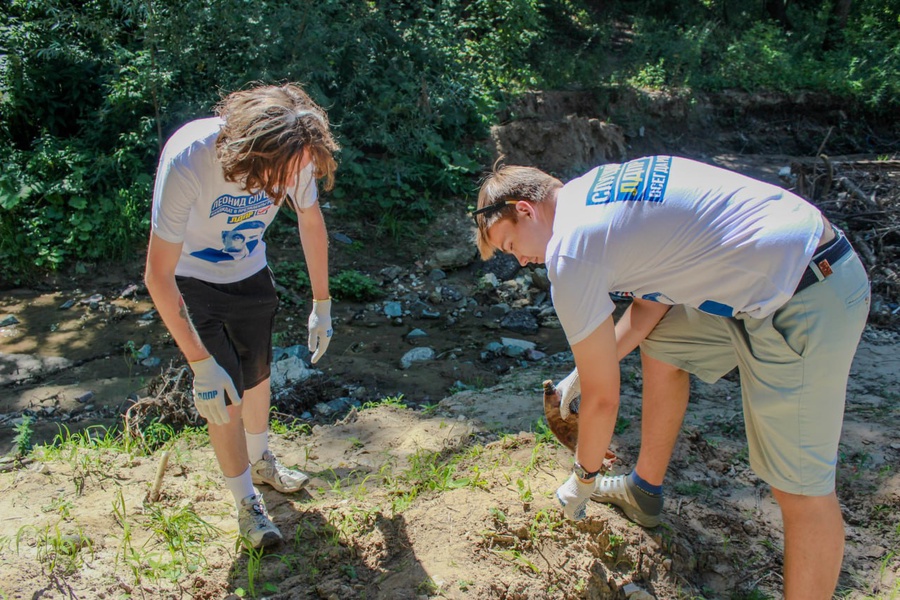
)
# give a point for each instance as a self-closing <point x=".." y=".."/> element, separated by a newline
<point x="175" y="191"/>
<point x="581" y="297"/>
<point x="305" y="193"/>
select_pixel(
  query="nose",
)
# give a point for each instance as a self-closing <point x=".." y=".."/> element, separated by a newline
<point x="523" y="260"/>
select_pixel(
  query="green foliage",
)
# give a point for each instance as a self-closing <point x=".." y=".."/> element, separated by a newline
<point x="354" y="286"/>
<point x="90" y="90"/>
<point x="292" y="274"/>
<point x="24" y="435"/>
<point x="393" y="401"/>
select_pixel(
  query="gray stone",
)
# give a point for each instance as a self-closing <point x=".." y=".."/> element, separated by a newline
<point x="393" y="309"/>
<point x="391" y="273"/>
<point x="523" y="344"/>
<point x="416" y="355"/>
<point x="290" y="370"/>
<point x="499" y="310"/>
<point x="503" y="266"/>
<point x="453" y="258"/>
<point x="10" y="320"/>
<point x="416" y="334"/>
<point x="520" y="321"/>
<point x="437" y="275"/>
<point x="340" y="237"/>
<point x="540" y="280"/>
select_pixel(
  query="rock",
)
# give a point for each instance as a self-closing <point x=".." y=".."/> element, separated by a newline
<point x="502" y="266"/>
<point x="523" y="344"/>
<point x="416" y="334"/>
<point x="391" y="273"/>
<point x="10" y="320"/>
<point x="290" y="370"/>
<point x="416" y="355"/>
<point x="85" y="397"/>
<point x="129" y="291"/>
<point x="437" y="275"/>
<point x="338" y="405"/>
<point x="67" y="304"/>
<point x="520" y="321"/>
<point x="393" y="309"/>
<point x="499" y="310"/>
<point x="340" y="237"/>
<point x="540" y="280"/>
<point x="296" y="351"/>
<point x="633" y="592"/>
<point x="561" y="144"/>
<point x="453" y="258"/>
<point x="72" y="543"/>
<point x="489" y="281"/>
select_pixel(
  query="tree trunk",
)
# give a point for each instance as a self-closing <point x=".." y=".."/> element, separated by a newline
<point x="777" y="10"/>
<point x="837" y="22"/>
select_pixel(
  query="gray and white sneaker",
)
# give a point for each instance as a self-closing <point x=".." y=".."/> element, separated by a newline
<point x="256" y="528"/>
<point x="270" y="471"/>
<point x="639" y="506"/>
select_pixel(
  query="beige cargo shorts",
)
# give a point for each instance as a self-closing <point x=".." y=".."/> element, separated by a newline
<point x="793" y="365"/>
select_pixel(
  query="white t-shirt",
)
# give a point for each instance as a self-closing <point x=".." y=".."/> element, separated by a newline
<point x="675" y="231"/>
<point x="220" y="224"/>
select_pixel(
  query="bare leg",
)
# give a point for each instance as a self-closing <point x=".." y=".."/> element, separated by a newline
<point x="813" y="545"/>
<point x="665" y="399"/>
<point x="229" y="444"/>
<point x="228" y="440"/>
<point x="256" y="407"/>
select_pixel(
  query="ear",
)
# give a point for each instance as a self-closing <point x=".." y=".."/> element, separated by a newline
<point x="525" y="209"/>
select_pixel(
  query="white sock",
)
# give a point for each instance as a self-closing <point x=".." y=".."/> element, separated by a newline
<point x="257" y="444"/>
<point x="240" y="486"/>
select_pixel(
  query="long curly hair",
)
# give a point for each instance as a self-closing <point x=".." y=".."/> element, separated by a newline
<point x="268" y="129"/>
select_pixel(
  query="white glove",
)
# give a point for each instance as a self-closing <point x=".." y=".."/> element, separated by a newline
<point x="569" y="389"/>
<point x="211" y="382"/>
<point x="319" y="328"/>
<point x="574" y="495"/>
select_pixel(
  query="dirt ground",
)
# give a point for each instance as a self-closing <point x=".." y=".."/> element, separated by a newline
<point x="447" y="493"/>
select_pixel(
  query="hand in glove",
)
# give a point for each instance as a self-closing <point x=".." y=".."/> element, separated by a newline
<point x="319" y="328"/>
<point x="211" y="383"/>
<point x="573" y="495"/>
<point x="569" y="389"/>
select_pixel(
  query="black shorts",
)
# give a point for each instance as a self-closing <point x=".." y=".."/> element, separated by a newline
<point x="234" y="322"/>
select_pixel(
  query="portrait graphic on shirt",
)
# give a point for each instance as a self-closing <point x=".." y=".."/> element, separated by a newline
<point x="237" y="243"/>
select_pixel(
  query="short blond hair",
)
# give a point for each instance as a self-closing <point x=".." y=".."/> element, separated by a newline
<point x="266" y="131"/>
<point x="500" y="190"/>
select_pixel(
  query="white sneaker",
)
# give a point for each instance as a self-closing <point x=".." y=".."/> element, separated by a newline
<point x="256" y="528"/>
<point x="642" y="508"/>
<point x="270" y="471"/>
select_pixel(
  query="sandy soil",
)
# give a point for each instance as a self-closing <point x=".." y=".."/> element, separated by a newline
<point x="451" y="502"/>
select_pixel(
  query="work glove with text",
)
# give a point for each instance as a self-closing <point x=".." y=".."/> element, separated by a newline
<point x="211" y="383"/>
<point x="319" y="328"/>
<point x="569" y="390"/>
<point x="573" y="495"/>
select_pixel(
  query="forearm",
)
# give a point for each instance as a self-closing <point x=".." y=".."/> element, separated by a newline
<point x="600" y="394"/>
<point x="172" y="310"/>
<point x="314" y="239"/>
<point x="636" y="324"/>
<point x="596" y="422"/>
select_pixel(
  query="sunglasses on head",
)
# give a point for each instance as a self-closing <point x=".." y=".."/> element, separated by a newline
<point x="492" y="208"/>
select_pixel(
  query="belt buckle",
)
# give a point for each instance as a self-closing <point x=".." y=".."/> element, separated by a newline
<point x="825" y="267"/>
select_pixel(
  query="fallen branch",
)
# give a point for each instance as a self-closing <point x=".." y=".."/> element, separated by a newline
<point x="856" y="192"/>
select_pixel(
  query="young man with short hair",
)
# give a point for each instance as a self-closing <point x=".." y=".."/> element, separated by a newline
<point x="725" y="271"/>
